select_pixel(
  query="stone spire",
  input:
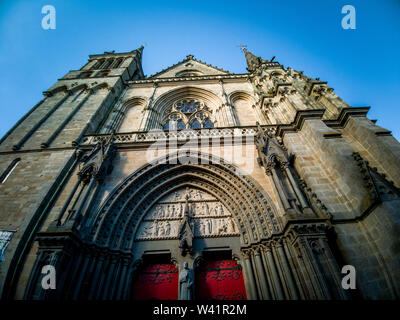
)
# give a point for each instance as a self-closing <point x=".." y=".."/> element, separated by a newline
<point x="252" y="60"/>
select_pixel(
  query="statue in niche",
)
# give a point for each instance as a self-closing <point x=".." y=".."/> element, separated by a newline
<point x="156" y="228"/>
<point x="209" y="225"/>
<point x="221" y="226"/>
<point x="189" y="193"/>
<point x="199" y="195"/>
<point x="167" y="211"/>
<point x="202" y="210"/>
<point x="215" y="211"/>
<point x="233" y="226"/>
<point x="147" y="231"/>
<point x="172" y="215"/>
<point x="207" y="209"/>
<point x="161" y="213"/>
<point x="158" y="212"/>
<point x="202" y="228"/>
<point x="185" y="283"/>
<point x="177" y="196"/>
<point x="221" y="210"/>
<point x="168" y="229"/>
<point x="180" y="211"/>
<point x="162" y="230"/>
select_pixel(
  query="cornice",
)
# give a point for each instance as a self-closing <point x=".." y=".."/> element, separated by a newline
<point x="194" y="78"/>
<point x="298" y="121"/>
<point x="345" y="114"/>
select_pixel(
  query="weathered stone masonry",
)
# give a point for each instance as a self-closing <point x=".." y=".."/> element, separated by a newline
<point x="318" y="187"/>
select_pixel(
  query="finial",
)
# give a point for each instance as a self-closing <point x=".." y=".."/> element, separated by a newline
<point x="189" y="57"/>
<point x="243" y="47"/>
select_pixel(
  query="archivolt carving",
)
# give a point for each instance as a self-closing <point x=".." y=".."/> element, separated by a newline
<point x="117" y="221"/>
<point x="208" y="216"/>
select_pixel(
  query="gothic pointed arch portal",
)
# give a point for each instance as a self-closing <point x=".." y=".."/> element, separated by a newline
<point x="225" y="212"/>
<point x="179" y="227"/>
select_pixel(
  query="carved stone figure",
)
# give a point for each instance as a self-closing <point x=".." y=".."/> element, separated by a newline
<point x="210" y="226"/>
<point x="167" y="228"/>
<point x="155" y="230"/>
<point x="185" y="283"/>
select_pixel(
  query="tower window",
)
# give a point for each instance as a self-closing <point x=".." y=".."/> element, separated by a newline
<point x="117" y="63"/>
<point x="107" y="64"/>
<point x="9" y="170"/>
<point x="98" y="64"/>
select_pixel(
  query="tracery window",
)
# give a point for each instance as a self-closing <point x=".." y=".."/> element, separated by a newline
<point x="186" y="114"/>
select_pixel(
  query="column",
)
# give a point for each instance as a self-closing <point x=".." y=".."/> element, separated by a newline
<point x="109" y="279"/>
<point x="97" y="272"/>
<point x="261" y="274"/>
<point x="295" y="186"/>
<point x="280" y="189"/>
<point x="85" y="271"/>
<point x="250" y="283"/>
<point x="122" y="279"/>
<point x="275" y="277"/>
<point x="292" y="290"/>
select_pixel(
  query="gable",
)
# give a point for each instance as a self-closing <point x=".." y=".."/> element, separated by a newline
<point x="189" y="67"/>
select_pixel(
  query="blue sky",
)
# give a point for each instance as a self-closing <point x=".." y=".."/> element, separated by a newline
<point x="362" y="65"/>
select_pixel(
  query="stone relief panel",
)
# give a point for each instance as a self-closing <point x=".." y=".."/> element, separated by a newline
<point x="208" y="216"/>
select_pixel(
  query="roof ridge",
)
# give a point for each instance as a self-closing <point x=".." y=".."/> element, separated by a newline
<point x="188" y="58"/>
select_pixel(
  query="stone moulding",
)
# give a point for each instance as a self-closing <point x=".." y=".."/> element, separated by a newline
<point x="145" y="137"/>
<point x="183" y="79"/>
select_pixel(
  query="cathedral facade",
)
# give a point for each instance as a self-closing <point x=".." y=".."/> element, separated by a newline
<point x="197" y="183"/>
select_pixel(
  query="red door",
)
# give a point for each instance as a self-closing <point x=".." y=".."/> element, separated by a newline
<point x="220" y="280"/>
<point x="156" y="282"/>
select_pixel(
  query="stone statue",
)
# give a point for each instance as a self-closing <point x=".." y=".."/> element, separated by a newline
<point x="168" y="229"/>
<point x="185" y="283"/>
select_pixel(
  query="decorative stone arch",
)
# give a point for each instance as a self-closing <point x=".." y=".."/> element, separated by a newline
<point x="189" y="73"/>
<point x="132" y="110"/>
<point x="162" y="103"/>
<point x="241" y="95"/>
<point x="240" y="99"/>
<point x="115" y="223"/>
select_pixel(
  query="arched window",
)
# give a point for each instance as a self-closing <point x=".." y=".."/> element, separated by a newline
<point x="195" y="125"/>
<point x="117" y="63"/>
<point x="208" y="124"/>
<point x="167" y="126"/>
<point x="98" y="64"/>
<point x="9" y="170"/>
<point x="107" y="64"/>
<point x="189" y="73"/>
<point x="180" y="125"/>
<point x="192" y="112"/>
